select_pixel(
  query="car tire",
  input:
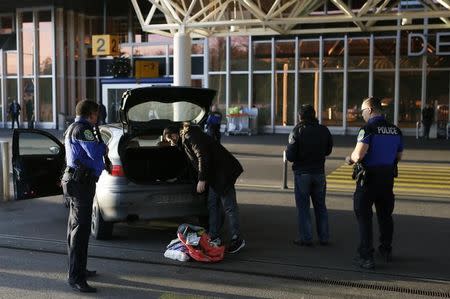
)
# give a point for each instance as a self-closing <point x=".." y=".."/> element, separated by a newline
<point x="100" y="229"/>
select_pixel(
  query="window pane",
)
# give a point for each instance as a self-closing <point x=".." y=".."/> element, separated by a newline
<point x="410" y="98"/>
<point x="37" y="144"/>
<point x="91" y="89"/>
<point x="384" y="88"/>
<point x="45" y="100"/>
<point x="358" y="53"/>
<point x="11" y="93"/>
<point x="27" y="43"/>
<point x="239" y="91"/>
<point x="45" y="43"/>
<point x="284" y="99"/>
<point x="28" y="95"/>
<point x="309" y="54"/>
<point x="149" y="50"/>
<point x="332" y="99"/>
<point x="384" y="54"/>
<point x="217" y="82"/>
<point x="308" y="89"/>
<point x="217" y="48"/>
<point x="263" y="56"/>
<point x="239" y="53"/>
<point x="197" y="48"/>
<point x="262" y="97"/>
<point x="11" y="63"/>
<point x="356" y="96"/>
<point x="438" y="95"/>
<point x="333" y="56"/>
<point x="285" y="54"/>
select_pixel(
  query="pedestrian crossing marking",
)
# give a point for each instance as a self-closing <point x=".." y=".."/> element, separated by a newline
<point x="414" y="179"/>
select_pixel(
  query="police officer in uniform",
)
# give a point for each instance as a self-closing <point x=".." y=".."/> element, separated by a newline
<point x="84" y="159"/>
<point x="378" y="149"/>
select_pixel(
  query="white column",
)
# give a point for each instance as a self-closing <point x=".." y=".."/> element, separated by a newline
<point x="61" y="65"/>
<point x="181" y="68"/>
<point x="397" y="76"/>
<point x="82" y="59"/>
<point x="181" y="59"/>
<point x="71" y="62"/>
<point x="371" y="52"/>
<point x="319" y="113"/>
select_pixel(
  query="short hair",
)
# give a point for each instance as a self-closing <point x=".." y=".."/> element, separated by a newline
<point x="307" y="112"/>
<point x="172" y="129"/>
<point x="374" y="103"/>
<point x="85" y="108"/>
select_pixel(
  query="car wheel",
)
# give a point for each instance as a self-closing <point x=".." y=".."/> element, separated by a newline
<point x="100" y="229"/>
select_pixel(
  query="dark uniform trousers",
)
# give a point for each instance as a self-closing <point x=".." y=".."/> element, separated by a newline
<point x="79" y="225"/>
<point x="378" y="190"/>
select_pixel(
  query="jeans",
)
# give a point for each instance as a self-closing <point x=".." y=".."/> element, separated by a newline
<point x="314" y="186"/>
<point x="231" y="210"/>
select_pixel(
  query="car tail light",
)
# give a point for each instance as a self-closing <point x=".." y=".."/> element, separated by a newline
<point x="117" y="170"/>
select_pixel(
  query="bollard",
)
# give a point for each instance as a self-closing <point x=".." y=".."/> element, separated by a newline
<point x="4" y="152"/>
<point x="284" y="184"/>
<point x="417" y="129"/>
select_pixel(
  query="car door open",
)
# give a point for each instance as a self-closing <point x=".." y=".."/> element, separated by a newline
<point x="38" y="159"/>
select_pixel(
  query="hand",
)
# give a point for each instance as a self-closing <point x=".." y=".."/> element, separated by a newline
<point x="201" y="186"/>
<point x="349" y="161"/>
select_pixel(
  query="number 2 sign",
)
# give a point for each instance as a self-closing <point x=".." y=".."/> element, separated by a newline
<point x="105" y="45"/>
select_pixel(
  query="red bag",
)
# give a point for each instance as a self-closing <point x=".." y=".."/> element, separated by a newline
<point x="204" y="251"/>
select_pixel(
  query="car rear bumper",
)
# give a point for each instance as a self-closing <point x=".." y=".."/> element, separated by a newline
<point x="120" y="202"/>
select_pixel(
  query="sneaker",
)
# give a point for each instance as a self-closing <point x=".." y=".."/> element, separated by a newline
<point x="216" y="242"/>
<point x="236" y="245"/>
<point x="367" y="264"/>
<point x="385" y="254"/>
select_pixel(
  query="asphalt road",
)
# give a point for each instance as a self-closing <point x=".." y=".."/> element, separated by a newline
<point x="32" y="246"/>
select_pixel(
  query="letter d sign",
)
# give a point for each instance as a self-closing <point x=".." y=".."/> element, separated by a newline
<point x="411" y="52"/>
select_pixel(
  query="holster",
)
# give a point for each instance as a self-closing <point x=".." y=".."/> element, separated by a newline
<point x="359" y="174"/>
<point x="81" y="174"/>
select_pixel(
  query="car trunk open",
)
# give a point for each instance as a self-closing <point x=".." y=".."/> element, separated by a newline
<point x="155" y="164"/>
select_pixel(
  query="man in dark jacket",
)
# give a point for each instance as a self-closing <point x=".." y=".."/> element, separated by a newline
<point x="218" y="169"/>
<point x="309" y="144"/>
<point x="14" y="111"/>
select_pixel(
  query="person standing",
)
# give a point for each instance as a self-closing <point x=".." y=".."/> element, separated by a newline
<point x="213" y="123"/>
<point x="84" y="160"/>
<point x="30" y="113"/>
<point x="14" y="112"/>
<point x="378" y="149"/>
<point x="427" y="119"/>
<point x="309" y="144"/>
<point x="217" y="169"/>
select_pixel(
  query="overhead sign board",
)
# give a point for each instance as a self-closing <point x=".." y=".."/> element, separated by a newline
<point x="105" y="45"/>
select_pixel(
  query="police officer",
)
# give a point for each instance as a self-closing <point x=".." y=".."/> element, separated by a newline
<point x="378" y="149"/>
<point x="84" y="159"/>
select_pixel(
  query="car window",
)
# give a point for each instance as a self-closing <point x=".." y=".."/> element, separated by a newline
<point x="37" y="144"/>
<point x="178" y="111"/>
<point x="106" y="136"/>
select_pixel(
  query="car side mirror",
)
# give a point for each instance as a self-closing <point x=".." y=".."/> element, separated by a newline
<point x="54" y="150"/>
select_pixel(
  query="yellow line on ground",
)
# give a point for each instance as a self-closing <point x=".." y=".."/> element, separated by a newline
<point x="397" y="190"/>
<point x="436" y="180"/>
<point x="398" y="184"/>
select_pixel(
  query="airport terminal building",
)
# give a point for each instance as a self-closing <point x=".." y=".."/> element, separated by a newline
<point x="330" y="54"/>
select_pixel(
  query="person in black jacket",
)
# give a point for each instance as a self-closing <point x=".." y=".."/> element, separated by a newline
<point x="427" y="120"/>
<point x="218" y="169"/>
<point x="309" y="144"/>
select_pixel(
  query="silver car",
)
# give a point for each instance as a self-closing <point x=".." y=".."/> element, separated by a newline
<point x="149" y="179"/>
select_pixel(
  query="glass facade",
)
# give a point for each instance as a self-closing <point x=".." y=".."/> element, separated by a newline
<point x="276" y="74"/>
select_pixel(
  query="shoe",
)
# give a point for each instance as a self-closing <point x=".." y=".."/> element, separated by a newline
<point x="385" y="254"/>
<point x="236" y="245"/>
<point x="216" y="242"/>
<point x="90" y="273"/>
<point x="82" y="287"/>
<point x="367" y="264"/>
<point x="303" y="243"/>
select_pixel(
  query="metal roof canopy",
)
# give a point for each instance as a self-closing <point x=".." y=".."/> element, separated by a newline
<point x="284" y="17"/>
